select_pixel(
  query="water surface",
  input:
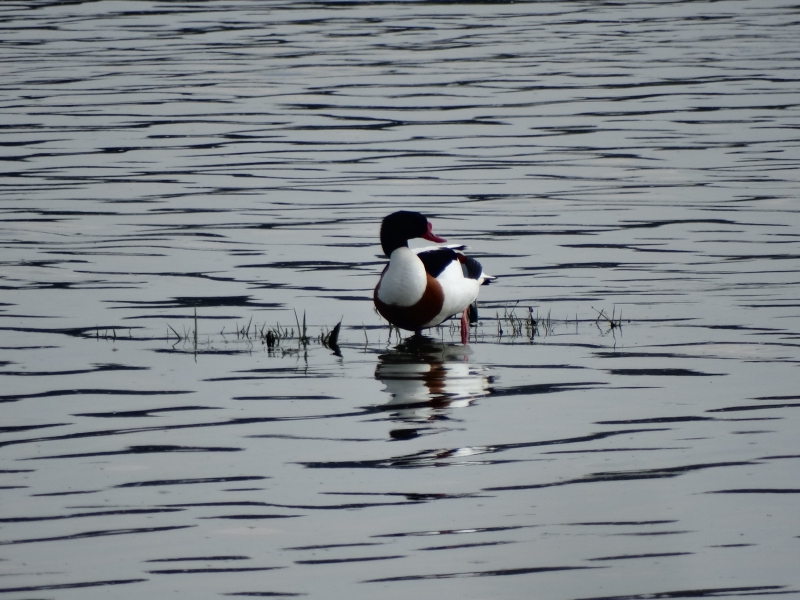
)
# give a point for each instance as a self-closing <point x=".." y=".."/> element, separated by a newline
<point x="233" y="160"/>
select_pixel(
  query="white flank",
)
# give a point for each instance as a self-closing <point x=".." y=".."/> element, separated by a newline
<point x="405" y="280"/>
<point x="459" y="292"/>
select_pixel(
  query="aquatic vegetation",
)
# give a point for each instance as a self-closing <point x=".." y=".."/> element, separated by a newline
<point x="508" y="328"/>
<point x="272" y="337"/>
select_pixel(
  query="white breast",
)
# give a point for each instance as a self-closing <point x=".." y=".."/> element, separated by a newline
<point x="404" y="282"/>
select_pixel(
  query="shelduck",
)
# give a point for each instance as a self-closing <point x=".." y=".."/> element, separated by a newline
<point x="421" y="288"/>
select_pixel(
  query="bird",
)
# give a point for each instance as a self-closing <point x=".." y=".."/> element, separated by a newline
<point x="421" y="288"/>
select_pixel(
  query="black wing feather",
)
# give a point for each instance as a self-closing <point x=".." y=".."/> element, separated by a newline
<point x="472" y="268"/>
<point x="437" y="259"/>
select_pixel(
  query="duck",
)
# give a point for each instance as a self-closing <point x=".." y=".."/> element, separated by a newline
<point x="421" y="288"/>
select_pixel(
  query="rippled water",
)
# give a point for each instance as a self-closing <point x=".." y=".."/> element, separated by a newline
<point x="235" y="159"/>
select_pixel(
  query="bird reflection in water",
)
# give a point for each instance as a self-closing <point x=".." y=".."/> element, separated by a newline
<point x="425" y="378"/>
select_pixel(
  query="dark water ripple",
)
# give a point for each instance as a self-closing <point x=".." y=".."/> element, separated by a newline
<point x="179" y="178"/>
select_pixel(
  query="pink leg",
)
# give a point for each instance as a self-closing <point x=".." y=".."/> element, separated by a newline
<point x="464" y="328"/>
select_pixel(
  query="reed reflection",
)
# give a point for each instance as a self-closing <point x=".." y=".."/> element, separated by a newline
<point x="425" y="377"/>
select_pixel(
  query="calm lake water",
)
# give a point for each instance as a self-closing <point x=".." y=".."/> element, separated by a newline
<point x="629" y="171"/>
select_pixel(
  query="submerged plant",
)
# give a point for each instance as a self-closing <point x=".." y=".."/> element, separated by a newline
<point x="613" y="321"/>
<point x="527" y="326"/>
<point x="510" y="325"/>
